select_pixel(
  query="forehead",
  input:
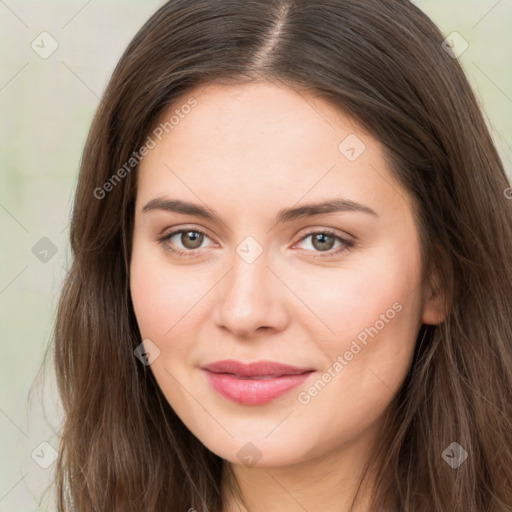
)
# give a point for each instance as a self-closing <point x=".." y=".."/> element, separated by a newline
<point x="255" y="113"/>
<point x="243" y="141"/>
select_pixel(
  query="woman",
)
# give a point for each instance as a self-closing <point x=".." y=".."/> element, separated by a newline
<point x="292" y="271"/>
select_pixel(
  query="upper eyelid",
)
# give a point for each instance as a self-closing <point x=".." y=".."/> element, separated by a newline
<point x="175" y="231"/>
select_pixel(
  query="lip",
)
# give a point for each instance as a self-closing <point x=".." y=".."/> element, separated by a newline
<point x="254" y="383"/>
<point x="256" y="369"/>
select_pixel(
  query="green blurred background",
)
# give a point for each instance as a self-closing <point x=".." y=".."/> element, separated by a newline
<point x="46" y="104"/>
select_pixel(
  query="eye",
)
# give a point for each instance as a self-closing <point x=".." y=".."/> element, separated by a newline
<point x="190" y="239"/>
<point x="324" y="240"/>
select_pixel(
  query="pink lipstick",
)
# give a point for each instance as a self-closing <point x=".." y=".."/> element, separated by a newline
<point x="254" y="383"/>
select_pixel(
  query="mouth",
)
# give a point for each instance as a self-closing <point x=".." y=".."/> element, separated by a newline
<point x="257" y="369"/>
<point x="255" y="383"/>
<point x="259" y="377"/>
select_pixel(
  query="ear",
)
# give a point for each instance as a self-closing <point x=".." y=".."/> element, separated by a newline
<point x="435" y="301"/>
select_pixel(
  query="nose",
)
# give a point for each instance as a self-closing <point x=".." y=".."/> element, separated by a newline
<point x="250" y="297"/>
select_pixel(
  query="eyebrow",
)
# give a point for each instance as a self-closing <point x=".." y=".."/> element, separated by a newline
<point x="284" y="215"/>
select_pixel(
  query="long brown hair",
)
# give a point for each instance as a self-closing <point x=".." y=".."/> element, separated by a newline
<point x="382" y="62"/>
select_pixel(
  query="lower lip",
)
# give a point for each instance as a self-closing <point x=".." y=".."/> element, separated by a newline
<point x="253" y="391"/>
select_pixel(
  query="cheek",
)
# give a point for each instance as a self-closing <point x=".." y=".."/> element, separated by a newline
<point x="381" y="289"/>
<point x="373" y="313"/>
<point x="149" y="300"/>
<point x="161" y="293"/>
<point x="376" y="316"/>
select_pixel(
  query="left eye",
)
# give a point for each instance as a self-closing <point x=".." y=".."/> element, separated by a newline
<point x="323" y="242"/>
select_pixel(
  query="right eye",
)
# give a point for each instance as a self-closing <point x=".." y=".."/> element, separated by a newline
<point x="190" y="239"/>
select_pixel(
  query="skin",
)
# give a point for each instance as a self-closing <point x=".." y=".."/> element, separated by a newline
<point x="245" y="152"/>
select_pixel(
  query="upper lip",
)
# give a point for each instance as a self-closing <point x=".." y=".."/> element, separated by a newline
<point x="256" y="369"/>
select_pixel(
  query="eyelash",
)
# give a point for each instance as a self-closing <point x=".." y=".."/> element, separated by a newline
<point x="346" y="244"/>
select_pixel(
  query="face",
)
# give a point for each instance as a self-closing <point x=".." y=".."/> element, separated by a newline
<point x="250" y="274"/>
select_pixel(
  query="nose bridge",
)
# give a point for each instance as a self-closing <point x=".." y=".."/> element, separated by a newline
<point x="248" y="298"/>
<point x="249" y="269"/>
